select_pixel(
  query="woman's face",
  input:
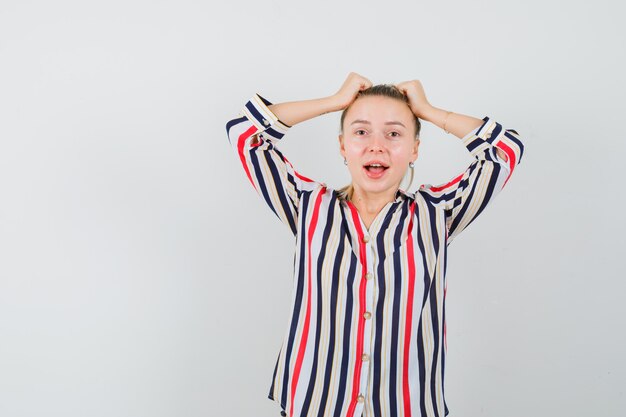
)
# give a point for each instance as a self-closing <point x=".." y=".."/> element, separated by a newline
<point x="381" y="130"/>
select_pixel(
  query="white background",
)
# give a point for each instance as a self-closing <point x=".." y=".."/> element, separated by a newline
<point x="141" y="274"/>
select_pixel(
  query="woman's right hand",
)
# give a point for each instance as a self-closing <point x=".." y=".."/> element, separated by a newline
<point x="350" y="88"/>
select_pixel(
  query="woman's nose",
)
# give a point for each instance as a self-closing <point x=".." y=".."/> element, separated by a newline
<point x="376" y="143"/>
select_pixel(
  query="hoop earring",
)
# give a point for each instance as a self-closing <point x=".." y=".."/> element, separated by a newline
<point x="412" y="169"/>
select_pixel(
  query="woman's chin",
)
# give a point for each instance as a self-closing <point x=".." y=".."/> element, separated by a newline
<point x="377" y="186"/>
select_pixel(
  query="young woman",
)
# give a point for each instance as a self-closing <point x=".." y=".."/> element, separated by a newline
<point x="367" y="334"/>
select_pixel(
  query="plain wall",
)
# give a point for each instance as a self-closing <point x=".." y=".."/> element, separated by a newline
<point x="141" y="274"/>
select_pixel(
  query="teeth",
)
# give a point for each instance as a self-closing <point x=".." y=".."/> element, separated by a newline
<point x="376" y="165"/>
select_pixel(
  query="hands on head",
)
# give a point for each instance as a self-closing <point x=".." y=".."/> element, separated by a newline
<point x="355" y="83"/>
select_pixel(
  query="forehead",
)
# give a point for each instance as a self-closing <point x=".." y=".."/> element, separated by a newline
<point x="377" y="109"/>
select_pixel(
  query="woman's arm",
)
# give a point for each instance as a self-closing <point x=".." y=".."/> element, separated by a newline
<point x="255" y="133"/>
<point x="497" y="152"/>
<point x="294" y="112"/>
<point x="457" y="124"/>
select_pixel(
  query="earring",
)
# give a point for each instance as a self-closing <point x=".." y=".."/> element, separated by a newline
<point x="345" y="161"/>
<point x="411" y="165"/>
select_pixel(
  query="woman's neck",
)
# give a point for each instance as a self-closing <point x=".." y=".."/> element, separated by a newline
<point x="371" y="203"/>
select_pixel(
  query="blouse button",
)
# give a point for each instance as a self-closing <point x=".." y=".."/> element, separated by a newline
<point x="360" y="398"/>
<point x="366" y="238"/>
<point x="369" y="275"/>
<point x="367" y="315"/>
<point x="265" y="122"/>
<point x="488" y="135"/>
<point x="365" y="357"/>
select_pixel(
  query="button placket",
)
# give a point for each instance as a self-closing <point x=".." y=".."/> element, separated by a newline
<point x="370" y="252"/>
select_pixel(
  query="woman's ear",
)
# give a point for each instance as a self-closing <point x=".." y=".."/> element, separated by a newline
<point x="415" y="150"/>
<point x="342" y="150"/>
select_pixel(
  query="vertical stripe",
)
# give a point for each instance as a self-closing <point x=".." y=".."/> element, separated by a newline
<point x="305" y="332"/>
<point x="360" y="324"/>
<point x="409" y="313"/>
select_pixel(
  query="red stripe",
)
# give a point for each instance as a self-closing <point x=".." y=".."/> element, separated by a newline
<point x="409" y="315"/>
<point x="454" y="181"/>
<point x="307" y="319"/>
<point x="509" y="152"/>
<point x="241" y="142"/>
<point x="302" y="177"/>
<point x="362" y="301"/>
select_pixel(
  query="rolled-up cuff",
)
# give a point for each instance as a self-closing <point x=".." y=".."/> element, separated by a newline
<point x="258" y="112"/>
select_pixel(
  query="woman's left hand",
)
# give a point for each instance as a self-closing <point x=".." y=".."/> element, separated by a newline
<point x="417" y="98"/>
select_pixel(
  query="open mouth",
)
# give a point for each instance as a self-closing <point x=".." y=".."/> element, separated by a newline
<point x="375" y="170"/>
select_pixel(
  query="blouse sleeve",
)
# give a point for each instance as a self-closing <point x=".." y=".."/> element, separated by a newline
<point x="466" y="196"/>
<point x="253" y="135"/>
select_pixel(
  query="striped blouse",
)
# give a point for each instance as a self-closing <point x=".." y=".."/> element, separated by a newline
<point x="367" y="331"/>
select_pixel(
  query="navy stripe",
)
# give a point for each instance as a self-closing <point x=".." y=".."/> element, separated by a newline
<point x="421" y="367"/>
<point x="432" y="217"/>
<point x="343" y="376"/>
<point x="274" y="133"/>
<point x="474" y="144"/>
<point x="255" y="113"/>
<point x="491" y="186"/>
<point x="482" y="126"/>
<point x="435" y="326"/>
<point x="379" y="302"/>
<point x="254" y="159"/>
<point x="427" y="282"/>
<point x="271" y="392"/>
<point x="290" y="177"/>
<point x="287" y="206"/>
<point x="264" y="100"/>
<point x="459" y="216"/>
<point x="232" y="123"/>
<point x="444" y="250"/>
<point x="495" y="132"/>
<point x="517" y="142"/>
<point x="395" y="347"/>
<point x="298" y="304"/>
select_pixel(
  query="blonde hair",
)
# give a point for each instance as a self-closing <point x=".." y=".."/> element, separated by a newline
<point x="385" y="90"/>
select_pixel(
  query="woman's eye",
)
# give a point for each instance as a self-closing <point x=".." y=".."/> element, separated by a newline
<point x="395" y="133"/>
<point x="360" y="130"/>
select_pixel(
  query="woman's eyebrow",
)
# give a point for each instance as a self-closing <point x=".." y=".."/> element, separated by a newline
<point x="368" y="123"/>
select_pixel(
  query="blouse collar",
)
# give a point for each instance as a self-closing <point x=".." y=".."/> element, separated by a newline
<point x="401" y="195"/>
